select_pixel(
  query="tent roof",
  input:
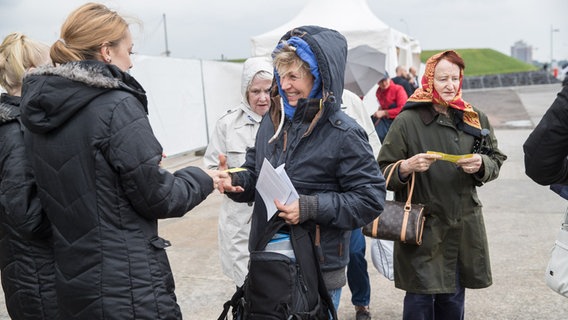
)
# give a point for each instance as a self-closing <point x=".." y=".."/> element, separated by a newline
<point x="355" y="20"/>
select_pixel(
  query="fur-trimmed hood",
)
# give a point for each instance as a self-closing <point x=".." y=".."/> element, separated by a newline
<point x="51" y="95"/>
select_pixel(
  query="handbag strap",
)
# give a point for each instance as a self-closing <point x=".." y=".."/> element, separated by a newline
<point x="408" y="204"/>
<point x="410" y="183"/>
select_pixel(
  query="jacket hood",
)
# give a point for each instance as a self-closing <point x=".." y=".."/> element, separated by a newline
<point x="251" y="67"/>
<point x="52" y="95"/>
<point x="330" y="50"/>
<point x="9" y="108"/>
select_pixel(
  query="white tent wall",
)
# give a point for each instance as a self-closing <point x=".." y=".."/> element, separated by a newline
<point x="222" y="89"/>
<point x="186" y="97"/>
<point x="408" y="50"/>
<point x="355" y="20"/>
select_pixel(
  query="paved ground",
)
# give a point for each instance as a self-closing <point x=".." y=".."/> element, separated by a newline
<point x="522" y="219"/>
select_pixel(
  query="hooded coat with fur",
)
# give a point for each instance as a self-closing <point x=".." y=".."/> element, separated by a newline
<point x="97" y="165"/>
<point x="26" y="254"/>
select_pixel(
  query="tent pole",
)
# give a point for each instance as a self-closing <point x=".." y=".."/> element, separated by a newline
<point x="204" y="101"/>
<point x="166" y="35"/>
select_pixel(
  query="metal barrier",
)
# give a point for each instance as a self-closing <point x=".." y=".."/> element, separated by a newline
<point x="509" y="80"/>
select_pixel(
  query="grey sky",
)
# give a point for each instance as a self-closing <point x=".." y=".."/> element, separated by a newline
<point x="208" y="29"/>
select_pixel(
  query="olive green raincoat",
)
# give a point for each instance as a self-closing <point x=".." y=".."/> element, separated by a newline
<point x="454" y="236"/>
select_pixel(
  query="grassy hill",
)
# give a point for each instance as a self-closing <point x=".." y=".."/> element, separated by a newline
<point x="485" y="61"/>
<point x="478" y="62"/>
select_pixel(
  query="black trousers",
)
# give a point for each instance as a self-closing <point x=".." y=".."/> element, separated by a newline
<point x="443" y="306"/>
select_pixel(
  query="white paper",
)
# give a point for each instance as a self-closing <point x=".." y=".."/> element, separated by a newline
<point x="274" y="184"/>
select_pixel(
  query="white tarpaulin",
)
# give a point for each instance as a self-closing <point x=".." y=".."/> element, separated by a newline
<point x="186" y="97"/>
<point x="222" y="82"/>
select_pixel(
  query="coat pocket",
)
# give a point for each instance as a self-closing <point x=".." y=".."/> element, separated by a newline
<point x="162" y="269"/>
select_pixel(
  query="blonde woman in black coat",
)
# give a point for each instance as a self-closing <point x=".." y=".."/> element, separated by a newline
<point x="97" y="165"/>
<point x="26" y="253"/>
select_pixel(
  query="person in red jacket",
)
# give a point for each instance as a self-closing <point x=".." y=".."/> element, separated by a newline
<point x="392" y="98"/>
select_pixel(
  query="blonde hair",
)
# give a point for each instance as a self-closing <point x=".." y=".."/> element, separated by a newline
<point x="286" y="58"/>
<point x="18" y="53"/>
<point x="85" y="31"/>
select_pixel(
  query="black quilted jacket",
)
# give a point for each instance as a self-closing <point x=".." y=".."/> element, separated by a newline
<point x="97" y="165"/>
<point x="26" y="255"/>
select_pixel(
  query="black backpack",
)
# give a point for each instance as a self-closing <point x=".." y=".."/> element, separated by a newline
<point x="277" y="287"/>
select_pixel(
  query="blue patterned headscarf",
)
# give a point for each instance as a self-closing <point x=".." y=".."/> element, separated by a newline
<point x="306" y="54"/>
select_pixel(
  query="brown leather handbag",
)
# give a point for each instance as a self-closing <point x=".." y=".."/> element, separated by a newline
<point x="399" y="221"/>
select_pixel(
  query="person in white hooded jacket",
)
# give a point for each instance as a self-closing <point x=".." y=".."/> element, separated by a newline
<point x="234" y="133"/>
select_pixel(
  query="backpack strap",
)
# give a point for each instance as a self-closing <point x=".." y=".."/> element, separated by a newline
<point x="302" y="240"/>
<point x="234" y="302"/>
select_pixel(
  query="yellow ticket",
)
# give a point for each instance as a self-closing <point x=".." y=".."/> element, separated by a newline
<point x="451" y="157"/>
<point x="233" y="170"/>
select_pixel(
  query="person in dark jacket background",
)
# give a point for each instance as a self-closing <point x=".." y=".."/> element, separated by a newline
<point x="97" y="169"/>
<point x="403" y="79"/>
<point x="26" y="252"/>
<point x="546" y="148"/>
<point x="326" y="153"/>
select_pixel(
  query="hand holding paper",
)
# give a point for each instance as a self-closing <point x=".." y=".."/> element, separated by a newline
<point x="289" y="212"/>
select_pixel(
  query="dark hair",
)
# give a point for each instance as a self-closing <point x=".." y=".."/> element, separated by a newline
<point x="454" y="58"/>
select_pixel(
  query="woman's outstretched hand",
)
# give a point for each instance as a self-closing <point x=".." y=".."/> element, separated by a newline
<point x="226" y="182"/>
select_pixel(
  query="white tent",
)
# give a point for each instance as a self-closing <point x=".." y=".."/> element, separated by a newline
<point x="186" y="97"/>
<point x="355" y="20"/>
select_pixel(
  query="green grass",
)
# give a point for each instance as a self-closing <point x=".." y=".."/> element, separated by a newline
<point x="485" y="61"/>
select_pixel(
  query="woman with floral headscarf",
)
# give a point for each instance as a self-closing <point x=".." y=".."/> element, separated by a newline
<point x="454" y="253"/>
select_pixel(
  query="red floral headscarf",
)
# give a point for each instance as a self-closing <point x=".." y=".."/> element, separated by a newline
<point x="428" y="94"/>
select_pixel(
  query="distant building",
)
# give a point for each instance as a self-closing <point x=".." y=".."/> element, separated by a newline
<point x="520" y="50"/>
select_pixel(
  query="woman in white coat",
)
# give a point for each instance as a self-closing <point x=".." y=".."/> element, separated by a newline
<point x="234" y="133"/>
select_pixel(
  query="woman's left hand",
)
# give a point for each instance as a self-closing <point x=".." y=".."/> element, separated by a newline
<point x="471" y="165"/>
<point x="290" y="213"/>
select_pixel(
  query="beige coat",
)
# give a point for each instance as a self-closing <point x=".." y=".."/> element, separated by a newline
<point x="234" y="132"/>
<point x="354" y="107"/>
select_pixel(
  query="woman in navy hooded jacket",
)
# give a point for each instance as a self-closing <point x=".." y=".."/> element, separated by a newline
<point x="326" y="153"/>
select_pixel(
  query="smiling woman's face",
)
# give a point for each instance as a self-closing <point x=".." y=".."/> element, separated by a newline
<point x="296" y="84"/>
